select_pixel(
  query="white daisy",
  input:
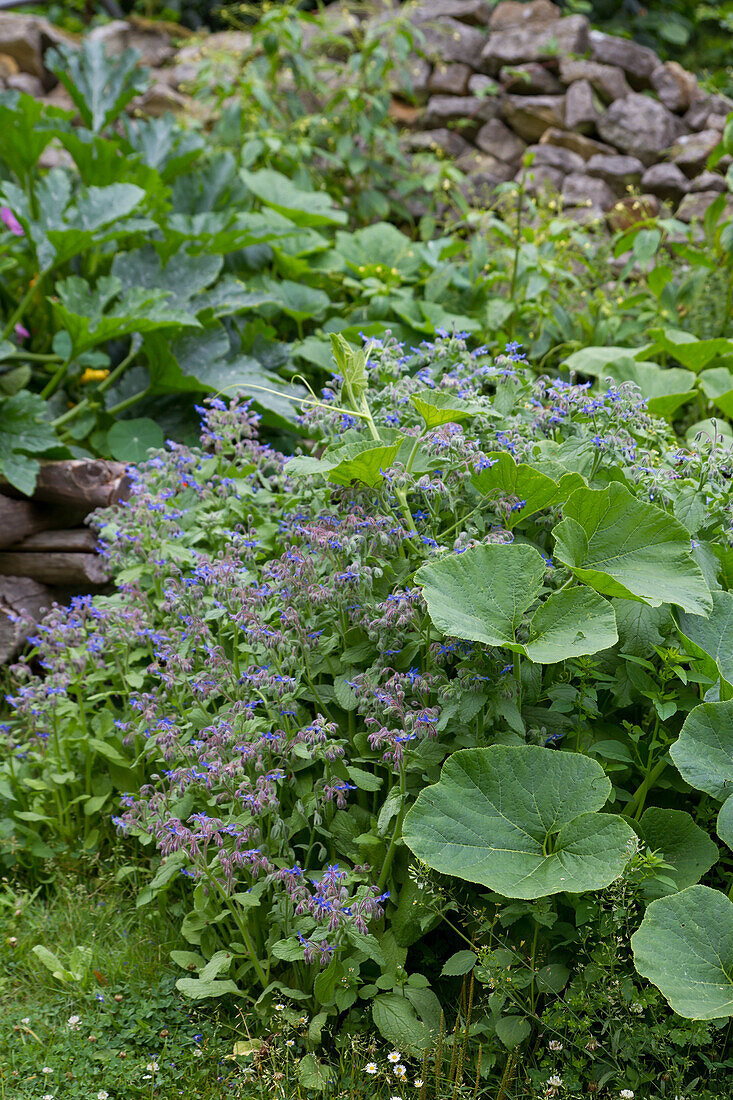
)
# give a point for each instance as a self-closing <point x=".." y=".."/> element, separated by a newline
<point x="394" y="1056"/>
<point x="370" y="1067"/>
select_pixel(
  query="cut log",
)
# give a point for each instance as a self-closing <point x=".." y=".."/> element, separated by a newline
<point x="55" y="568"/>
<point x="76" y="541"/>
<point x="21" y="518"/>
<point x="80" y="483"/>
<point x="19" y="595"/>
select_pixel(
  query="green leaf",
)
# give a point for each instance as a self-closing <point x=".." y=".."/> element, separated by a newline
<point x="717" y="384"/>
<point x="375" y="250"/>
<point x="520" y="820"/>
<point x="684" y="946"/>
<point x="687" y="349"/>
<point x="570" y="624"/>
<point x="482" y="594"/>
<point x="312" y="1073"/>
<point x="640" y="627"/>
<point x="623" y="547"/>
<point x="665" y="388"/>
<point x="183" y="276"/>
<point x="302" y="207"/>
<point x="100" y="86"/>
<point x="597" y="362"/>
<point x="462" y="962"/>
<point x="437" y="407"/>
<point x="703" y="752"/>
<point x="512" y="1030"/>
<point x="507" y="478"/>
<point x="712" y="636"/>
<point x="351" y="365"/>
<point x="299" y="301"/>
<point x="199" y="990"/>
<point x="52" y="963"/>
<point x="130" y="440"/>
<point x="683" y="844"/>
<point x="396" y="1020"/>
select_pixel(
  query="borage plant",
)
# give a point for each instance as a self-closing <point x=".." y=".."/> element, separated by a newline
<point x="511" y="574"/>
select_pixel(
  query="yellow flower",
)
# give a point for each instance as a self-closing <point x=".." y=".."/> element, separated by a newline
<point x="90" y="375"/>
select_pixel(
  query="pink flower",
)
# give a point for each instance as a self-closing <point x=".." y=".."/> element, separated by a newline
<point x="9" y="220"/>
<point x="21" y="332"/>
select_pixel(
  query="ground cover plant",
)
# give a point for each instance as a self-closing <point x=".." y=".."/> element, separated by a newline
<point x="422" y="734"/>
<point x="295" y="211"/>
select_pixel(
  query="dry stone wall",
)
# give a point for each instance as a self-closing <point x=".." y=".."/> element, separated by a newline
<point x="602" y="116"/>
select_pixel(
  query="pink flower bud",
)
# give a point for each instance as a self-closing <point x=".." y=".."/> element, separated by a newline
<point x="9" y="220"/>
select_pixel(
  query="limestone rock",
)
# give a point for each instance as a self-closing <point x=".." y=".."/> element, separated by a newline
<point x="542" y="180"/>
<point x="584" y="146"/>
<point x="26" y="38"/>
<point x="619" y="172"/>
<point x="8" y="66"/>
<point x="529" y="79"/>
<point x="638" y="62"/>
<point x="440" y="140"/>
<point x="484" y="174"/>
<point x="516" y="13"/>
<point x="221" y="43"/>
<point x="535" y="42"/>
<point x="716" y="122"/>
<point x="474" y="12"/>
<point x="703" y="106"/>
<point x="666" y="181"/>
<point x="411" y="80"/>
<point x="24" y="82"/>
<point x="638" y="125"/>
<point x="579" y="189"/>
<point x="153" y="45"/>
<point x="442" y="109"/>
<point x="691" y="151"/>
<point x="158" y="100"/>
<point x="530" y="116"/>
<point x="608" y="81"/>
<point x="499" y="141"/>
<point x="675" y="87"/>
<point x="448" y="40"/>
<point x="632" y="209"/>
<point x="479" y="84"/>
<point x="582" y="108"/>
<point x="707" y="181"/>
<point x="553" y="156"/>
<point x="449" y="78"/>
<point x="695" y="204"/>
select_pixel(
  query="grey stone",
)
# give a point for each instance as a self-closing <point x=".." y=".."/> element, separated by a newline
<point x="708" y="181"/>
<point x="450" y="78"/>
<point x="607" y="80"/>
<point x="530" y="116"/>
<point x="553" y="156"/>
<point x="484" y="173"/>
<point x="703" y="106"/>
<point x="666" y="181"/>
<point x="516" y="13"/>
<point x="582" y="108"/>
<point x="448" y="40"/>
<point x="24" y="82"/>
<point x="536" y="42"/>
<point x="618" y="172"/>
<point x="440" y="140"/>
<point x="716" y="122"/>
<point x="497" y="140"/>
<point x="584" y="146"/>
<point x="542" y="179"/>
<point x="474" y="12"/>
<point x="153" y="45"/>
<point x="478" y="84"/>
<point x="695" y="204"/>
<point x="638" y="125"/>
<point x="529" y="79"/>
<point x="26" y="38"/>
<point x="411" y="79"/>
<point x="159" y="99"/>
<point x="638" y="62"/>
<point x="581" y="190"/>
<point x="459" y="108"/>
<point x="675" y="87"/>
<point x="691" y="151"/>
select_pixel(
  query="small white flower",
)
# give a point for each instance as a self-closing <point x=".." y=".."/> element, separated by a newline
<point x="395" y="1098"/>
<point x="102" y="1095"/>
<point x="280" y="1007"/>
<point x="303" y="1020"/>
<point x="290" y="1042"/>
<point x="555" y="1081"/>
<point x="636" y="1007"/>
<point x="198" y="1053"/>
<point x="73" y="1022"/>
<point x="147" y="1077"/>
<point x="47" y="1096"/>
<point x="626" y="1094"/>
<point x="419" y="1082"/>
<point x="400" y="1071"/>
<point x="370" y="1067"/>
<point x="153" y="1067"/>
<point x="555" y="1044"/>
<point x="26" y="1020"/>
<point x="47" y="1069"/>
<point x="394" y="1056"/>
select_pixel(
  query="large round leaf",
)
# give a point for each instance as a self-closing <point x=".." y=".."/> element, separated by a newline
<point x="712" y="635"/>
<point x="482" y="595"/>
<point x="703" y="753"/>
<point x="569" y="624"/>
<point x="685" y="947"/>
<point x="520" y="820"/>
<point x="623" y="547"/>
<point x="682" y="844"/>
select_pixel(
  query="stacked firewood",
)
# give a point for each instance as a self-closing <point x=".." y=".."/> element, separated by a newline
<point x="46" y="552"/>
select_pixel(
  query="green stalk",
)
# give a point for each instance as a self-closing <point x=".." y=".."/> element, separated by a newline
<point x="635" y="804"/>
<point x="21" y="308"/>
<point x="396" y="834"/>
